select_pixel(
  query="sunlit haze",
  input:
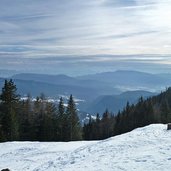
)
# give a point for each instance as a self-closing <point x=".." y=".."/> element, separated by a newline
<point x="80" y="37"/>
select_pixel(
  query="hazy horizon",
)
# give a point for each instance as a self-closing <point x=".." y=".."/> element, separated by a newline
<point x="9" y="73"/>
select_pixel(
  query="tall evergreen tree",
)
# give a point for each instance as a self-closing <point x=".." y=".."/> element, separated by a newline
<point x="25" y="118"/>
<point x="74" y="124"/>
<point x="9" y="105"/>
<point x="106" y="126"/>
<point x="62" y="121"/>
<point x="48" y="123"/>
<point x="36" y="124"/>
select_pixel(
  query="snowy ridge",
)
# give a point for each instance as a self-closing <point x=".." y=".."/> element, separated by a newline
<point x="147" y="148"/>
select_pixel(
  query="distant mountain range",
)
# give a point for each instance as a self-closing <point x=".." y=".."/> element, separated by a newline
<point x="132" y="80"/>
<point x="114" y="103"/>
<point x="99" y="91"/>
<point x="53" y="85"/>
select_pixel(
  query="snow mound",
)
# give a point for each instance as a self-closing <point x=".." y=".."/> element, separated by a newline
<point x="147" y="148"/>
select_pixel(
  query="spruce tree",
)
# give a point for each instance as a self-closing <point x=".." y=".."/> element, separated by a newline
<point x="62" y="121"/>
<point x="106" y="124"/>
<point x="49" y="122"/>
<point x="9" y="104"/>
<point x="25" y="118"/>
<point x="73" y="120"/>
<point x="36" y="120"/>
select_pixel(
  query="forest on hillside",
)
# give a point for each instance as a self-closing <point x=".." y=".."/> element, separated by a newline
<point x="40" y="120"/>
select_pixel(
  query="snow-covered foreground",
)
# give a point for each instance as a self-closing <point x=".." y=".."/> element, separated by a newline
<point x="144" y="149"/>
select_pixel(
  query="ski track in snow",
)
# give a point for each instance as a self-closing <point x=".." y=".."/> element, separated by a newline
<point x="144" y="149"/>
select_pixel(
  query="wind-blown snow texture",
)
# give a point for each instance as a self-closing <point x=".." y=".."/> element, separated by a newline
<point x="147" y="148"/>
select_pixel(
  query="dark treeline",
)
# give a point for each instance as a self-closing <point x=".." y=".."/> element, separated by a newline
<point x="37" y="120"/>
<point x="155" y="109"/>
<point x="40" y="120"/>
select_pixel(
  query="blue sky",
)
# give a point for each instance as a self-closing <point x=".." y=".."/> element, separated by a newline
<point x="77" y="37"/>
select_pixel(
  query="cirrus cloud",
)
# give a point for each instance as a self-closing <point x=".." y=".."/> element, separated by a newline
<point x="83" y="31"/>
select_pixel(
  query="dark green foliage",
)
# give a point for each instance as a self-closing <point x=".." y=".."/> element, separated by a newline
<point x="9" y="111"/>
<point x="152" y="110"/>
<point x="37" y="120"/>
<point x="100" y="128"/>
<point x="74" y="126"/>
<point x="26" y="119"/>
<point x="49" y="120"/>
<point x="63" y="124"/>
<point x="41" y="120"/>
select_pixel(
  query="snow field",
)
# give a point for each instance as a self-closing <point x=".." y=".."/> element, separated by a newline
<point x="143" y="149"/>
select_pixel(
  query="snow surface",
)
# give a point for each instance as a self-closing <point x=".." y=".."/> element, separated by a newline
<point x="144" y="149"/>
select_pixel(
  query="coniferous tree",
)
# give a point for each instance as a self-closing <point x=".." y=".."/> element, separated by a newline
<point x="73" y="120"/>
<point x="49" y="121"/>
<point x="164" y="111"/>
<point x="25" y="118"/>
<point x="9" y="105"/>
<point x="62" y="121"/>
<point x="97" y="127"/>
<point x="106" y="125"/>
<point x="36" y="124"/>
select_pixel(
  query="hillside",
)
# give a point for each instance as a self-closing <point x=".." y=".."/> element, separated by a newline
<point x="106" y="83"/>
<point x="114" y="103"/>
<point x="146" y="148"/>
<point x="57" y="85"/>
<point x="131" y="80"/>
<point x="35" y="88"/>
<point x="64" y="80"/>
<point x="99" y="91"/>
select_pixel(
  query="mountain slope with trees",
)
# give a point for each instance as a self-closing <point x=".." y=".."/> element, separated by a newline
<point x="156" y="109"/>
<point x="114" y="103"/>
<point x="41" y="120"/>
<point x="37" y="120"/>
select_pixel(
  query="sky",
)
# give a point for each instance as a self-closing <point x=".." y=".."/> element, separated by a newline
<point x="82" y="37"/>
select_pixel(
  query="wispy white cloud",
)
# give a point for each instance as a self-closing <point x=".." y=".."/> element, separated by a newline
<point x="50" y="29"/>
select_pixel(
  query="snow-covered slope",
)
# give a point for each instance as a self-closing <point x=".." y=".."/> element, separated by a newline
<point x="144" y="149"/>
